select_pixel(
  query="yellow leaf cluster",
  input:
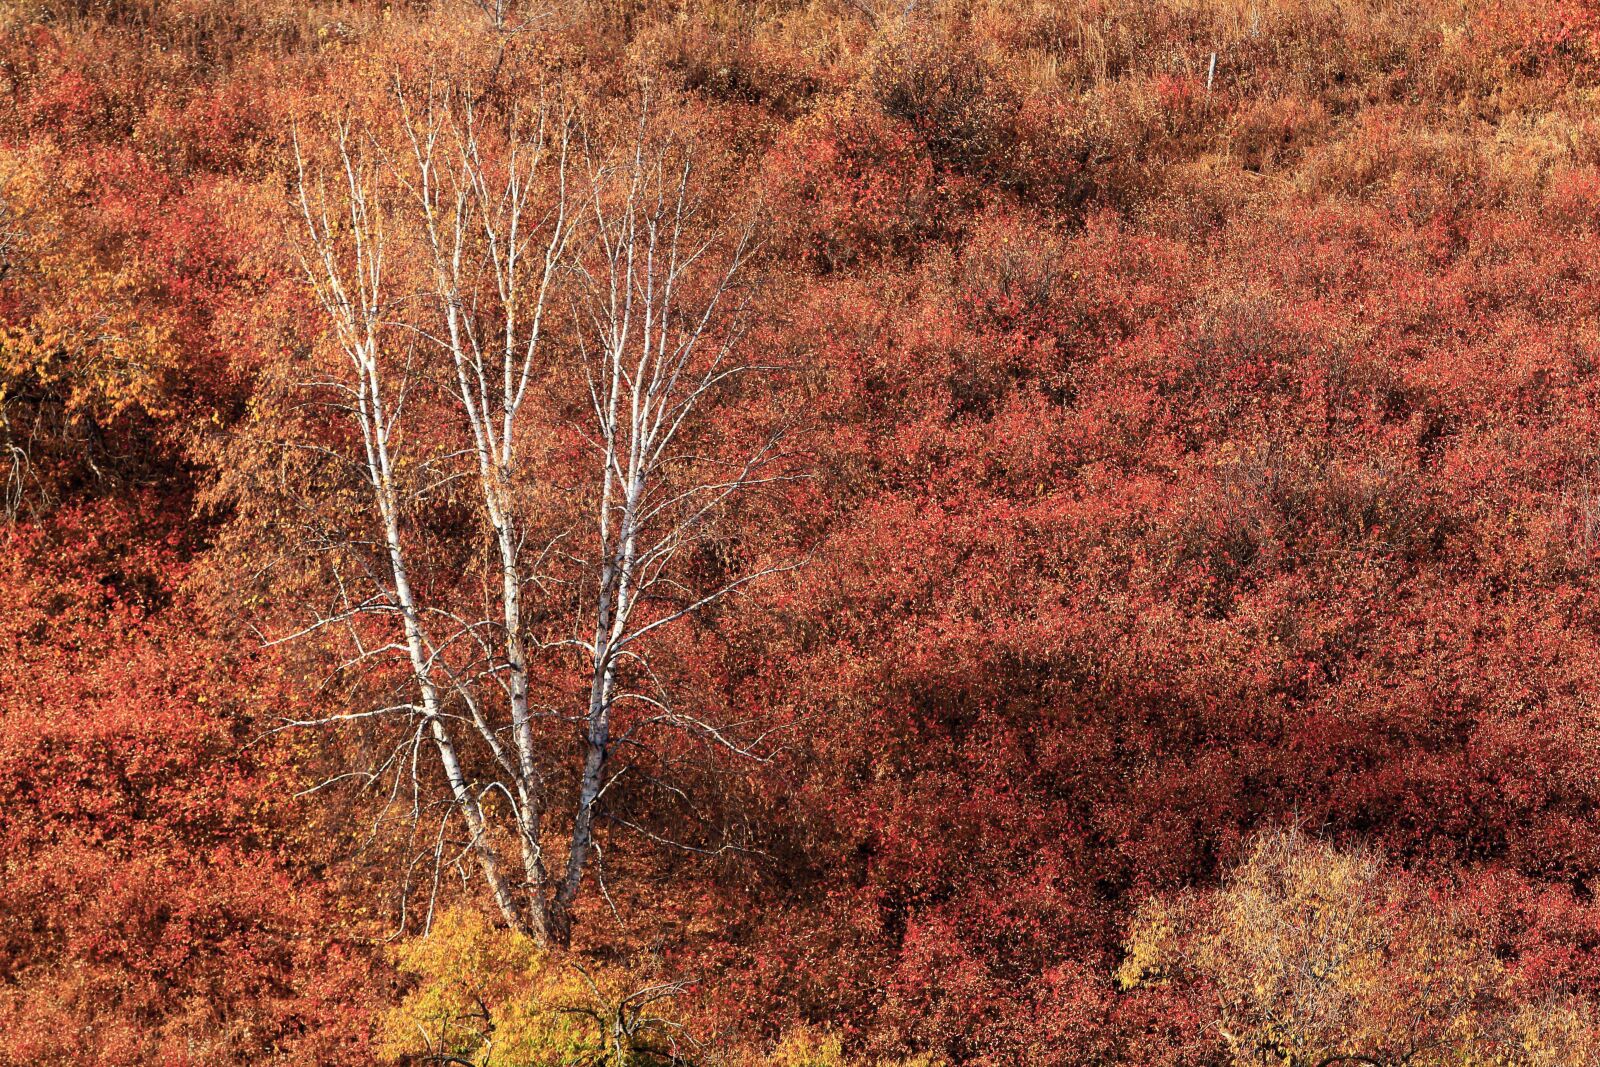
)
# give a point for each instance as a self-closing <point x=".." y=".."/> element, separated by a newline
<point x="1310" y="953"/>
<point x="491" y="997"/>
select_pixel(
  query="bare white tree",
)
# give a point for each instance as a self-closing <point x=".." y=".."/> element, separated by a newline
<point x="658" y="355"/>
<point x="506" y="221"/>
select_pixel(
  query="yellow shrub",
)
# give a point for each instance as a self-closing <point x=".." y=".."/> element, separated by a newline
<point x="1308" y="952"/>
<point x="492" y="998"/>
<point x="807" y="1048"/>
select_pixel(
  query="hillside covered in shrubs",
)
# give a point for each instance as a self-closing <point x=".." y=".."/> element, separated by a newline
<point x="810" y="532"/>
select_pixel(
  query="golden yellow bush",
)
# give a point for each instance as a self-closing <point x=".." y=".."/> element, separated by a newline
<point x="491" y="998"/>
<point x="1313" y="954"/>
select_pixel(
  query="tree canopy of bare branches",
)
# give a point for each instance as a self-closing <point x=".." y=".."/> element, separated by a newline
<point x="527" y="414"/>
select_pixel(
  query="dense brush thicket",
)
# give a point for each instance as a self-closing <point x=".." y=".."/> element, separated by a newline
<point x="1199" y="405"/>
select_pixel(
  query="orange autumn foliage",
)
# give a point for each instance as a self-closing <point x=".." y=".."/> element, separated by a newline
<point x="1197" y="404"/>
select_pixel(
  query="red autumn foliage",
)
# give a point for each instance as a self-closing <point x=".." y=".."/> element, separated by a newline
<point x="850" y="184"/>
<point x="1199" y="410"/>
<point x="154" y="910"/>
